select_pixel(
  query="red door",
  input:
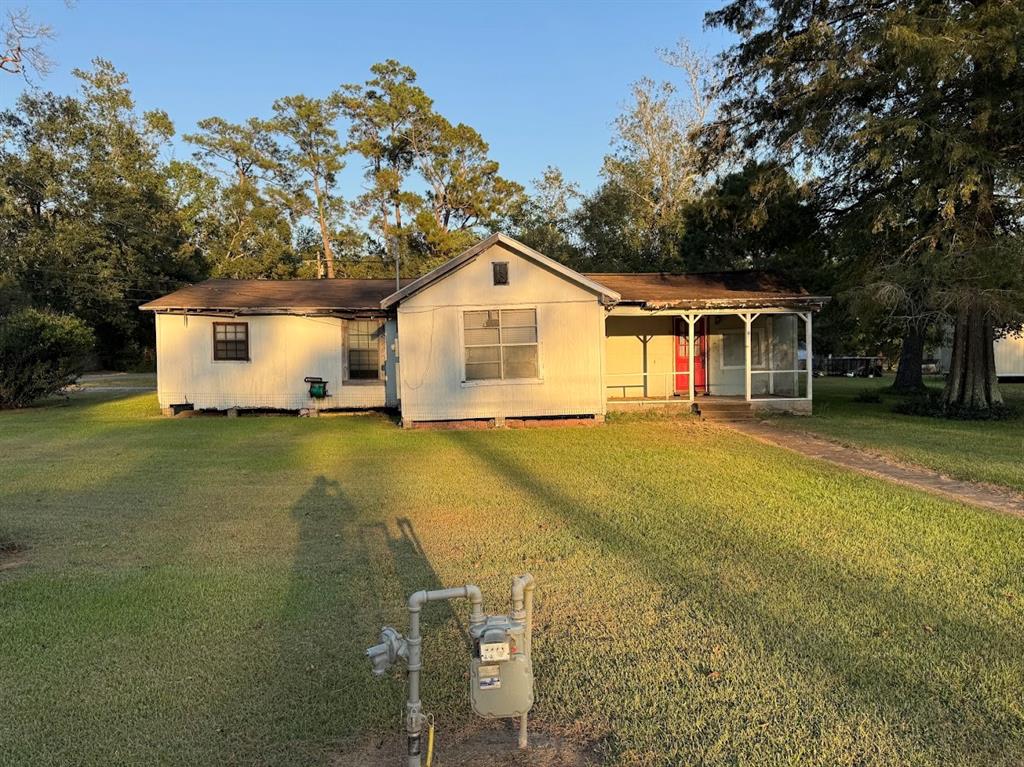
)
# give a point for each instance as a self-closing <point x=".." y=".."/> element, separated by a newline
<point x="700" y="350"/>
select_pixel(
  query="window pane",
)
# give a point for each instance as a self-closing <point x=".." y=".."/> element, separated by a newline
<point x="520" y="361"/>
<point x="519" y="335"/>
<point x="511" y="318"/>
<point x="481" y="319"/>
<point x="483" y="354"/>
<point x="484" y="370"/>
<point x="481" y="336"/>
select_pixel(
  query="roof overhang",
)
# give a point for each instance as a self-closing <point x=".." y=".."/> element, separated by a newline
<point x="305" y="311"/>
<point x="468" y="255"/>
<point x="723" y="305"/>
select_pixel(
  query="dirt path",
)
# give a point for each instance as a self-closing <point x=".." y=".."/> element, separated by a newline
<point x="491" y="743"/>
<point x="977" y="494"/>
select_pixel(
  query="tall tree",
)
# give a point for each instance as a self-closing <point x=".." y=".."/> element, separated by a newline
<point x="655" y="158"/>
<point x="247" y="231"/>
<point x="547" y="220"/>
<point x="464" y="189"/>
<point x="380" y="113"/>
<point x="313" y="153"/>
<point x="88" y="209"/>
<point x="909" y="110"/>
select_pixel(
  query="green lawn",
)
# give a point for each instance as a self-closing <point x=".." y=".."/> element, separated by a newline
<point x="979" y="451"/>
<point x="200" y="591"/>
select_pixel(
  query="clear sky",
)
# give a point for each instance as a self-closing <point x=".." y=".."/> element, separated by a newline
<point x="540" y="81"/>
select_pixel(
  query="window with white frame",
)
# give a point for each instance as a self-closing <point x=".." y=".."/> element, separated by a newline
<point x="363" y="343"/>
<point x="500" y="344"/>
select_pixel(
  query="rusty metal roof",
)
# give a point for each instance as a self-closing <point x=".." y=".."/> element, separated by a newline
<point x="277" y="295"/>
<point x="705" y="289"/>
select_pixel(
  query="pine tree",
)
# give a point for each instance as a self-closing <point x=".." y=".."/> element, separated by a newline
<point x="909" y="112"/>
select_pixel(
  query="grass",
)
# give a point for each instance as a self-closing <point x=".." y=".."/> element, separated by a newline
<point x="200" y="591"/>
<point x="978" y="451"/>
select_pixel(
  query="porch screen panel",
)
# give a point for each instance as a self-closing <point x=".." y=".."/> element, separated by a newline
<point x="778" y="361"/>
<point x="500" y="344"/>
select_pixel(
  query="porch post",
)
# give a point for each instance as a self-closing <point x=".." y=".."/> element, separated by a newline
<point x="747" y="321"/>
<point x="810" y="357"/>
<point x="690" y="320"/>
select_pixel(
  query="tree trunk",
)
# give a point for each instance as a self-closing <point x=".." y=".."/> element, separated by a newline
<point x="972" y="382"/>
<point x="328" y="253"/>
<point x="909" y="378"/>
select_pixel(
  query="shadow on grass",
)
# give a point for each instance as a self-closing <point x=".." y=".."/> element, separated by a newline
<point x="347" y="579"/>
<point x="904" y="684"/>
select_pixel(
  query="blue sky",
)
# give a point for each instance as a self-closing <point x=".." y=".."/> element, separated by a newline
<point x="540" y="81"/>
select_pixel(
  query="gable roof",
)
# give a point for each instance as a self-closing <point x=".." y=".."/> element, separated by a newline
<point x="276" y="295"/>
<point x="609" y="296"/>
<point x="706" y="289"/>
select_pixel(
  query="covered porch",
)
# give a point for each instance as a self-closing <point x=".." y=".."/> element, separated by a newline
<point x="662" y="357"/>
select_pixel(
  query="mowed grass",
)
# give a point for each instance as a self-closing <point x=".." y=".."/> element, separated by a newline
<point x="200" y="591"/>
<point x="977" y="451"/>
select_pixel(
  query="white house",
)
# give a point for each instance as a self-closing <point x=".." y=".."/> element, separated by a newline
<point x="500" y="331"/>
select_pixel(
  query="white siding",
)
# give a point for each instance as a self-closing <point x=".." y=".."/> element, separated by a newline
<point x="570" y="324"/>
<point x="283" y="350"/>
<point x="1009" y="354"/>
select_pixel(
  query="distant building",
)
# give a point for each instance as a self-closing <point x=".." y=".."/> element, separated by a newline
<point x="1009" y="354"/>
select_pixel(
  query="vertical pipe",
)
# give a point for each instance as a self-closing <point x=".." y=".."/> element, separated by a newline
<point x="522" y="610"/>
<point x="414" y="706"/>
<point x="413" y="712"/>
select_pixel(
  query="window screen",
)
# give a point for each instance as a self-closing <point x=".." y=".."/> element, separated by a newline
<point x="734" y="349"/>
<point x="500" y="269"/>
<point x="364" y="348"/>
<point x="501" y="344"/>
<point x="231" y="340"/>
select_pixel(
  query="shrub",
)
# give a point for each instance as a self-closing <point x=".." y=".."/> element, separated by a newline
<point x="931" y="404"/>
<point x="40" y="353"/>
<point x="868" y="396"/>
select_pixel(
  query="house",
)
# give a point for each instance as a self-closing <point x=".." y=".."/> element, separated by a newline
<point x="500" y="331"/>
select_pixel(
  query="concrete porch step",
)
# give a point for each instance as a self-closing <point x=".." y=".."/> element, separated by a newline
<point x="724" y="410"/>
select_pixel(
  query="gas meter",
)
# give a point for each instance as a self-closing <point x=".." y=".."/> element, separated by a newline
<point x="500" y="672"/>
<point x="500" y="669"/>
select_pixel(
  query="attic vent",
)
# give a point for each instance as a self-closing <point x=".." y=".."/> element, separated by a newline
<point x="500" y="272"/>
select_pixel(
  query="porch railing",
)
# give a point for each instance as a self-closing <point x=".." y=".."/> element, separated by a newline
<point x="667" y="379"/>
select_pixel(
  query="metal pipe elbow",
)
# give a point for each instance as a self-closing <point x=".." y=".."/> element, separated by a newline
<point x="416" y="601"/>
<point x="520" y="585"/>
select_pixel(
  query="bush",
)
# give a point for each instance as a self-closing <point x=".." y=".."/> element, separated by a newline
<point x="931" y="404"/>
<point x="868" y="396"/>
<point x="40" y="353"/>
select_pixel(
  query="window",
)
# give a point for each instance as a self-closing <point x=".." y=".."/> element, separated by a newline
<point x="500" y="270"/>
<point x="231" y="341"/>
<point x="364" y="338"/>
<point x="501" y="344"/>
